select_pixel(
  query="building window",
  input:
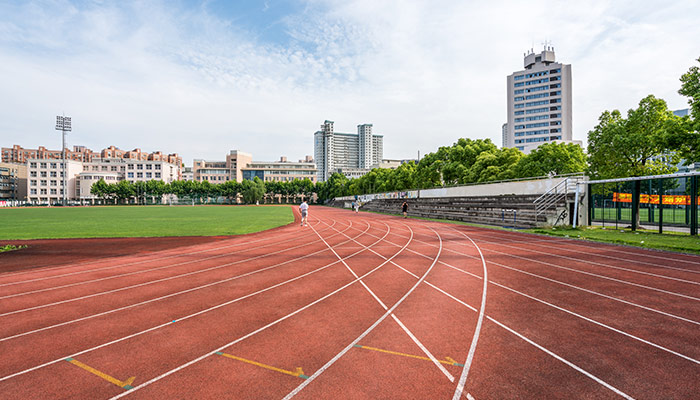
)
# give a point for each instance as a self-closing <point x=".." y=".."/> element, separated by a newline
<point x="32" y="165"/>
<point x="131" y="166"/>
<point x="53" y="174"/>
<point x="43" y="191"/>
<point x="53" y="183"/>
<point x="32" y="191"/>
<point x="149" y="166"/>
<point x="113" y="168"/>
<point x="33" y="182"/>
<point x="139" y="166"/>
<point x="32" y="174"/>
<point x="157" y="166"/>
<point x="43" y="165"/>
<point x="139" y="174"/>
<point x="53" y="191"/>
<point x="157" y="174"/>
<point x="148" y="175"/>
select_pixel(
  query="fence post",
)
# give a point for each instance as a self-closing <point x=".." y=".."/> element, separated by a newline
<point x="635" y="203"/>
<point x="661" y="205"/>
<point x="591" y="206"/>
<point x="694" y="205"/>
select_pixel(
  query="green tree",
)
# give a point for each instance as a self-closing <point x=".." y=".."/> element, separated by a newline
<point x="123" y="190"/>
<point x="100" y="189"/>
<point x="494" y="165"/>
<point x="684" y="135"/>
<point x="633" y="146"/>
<point x="554" y="158"/>
<point x="253" y="191"/>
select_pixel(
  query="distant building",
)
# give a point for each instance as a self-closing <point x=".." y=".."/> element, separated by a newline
<point x="393" y="164"/>
<point x="539" y="103"/>
<point x="13" y="181"/>
<point x="348" y="153"/>
<point x="45" y="176"/>
<point x="504" y="135"/>
<point x="20" y="155"/>
<point x="187" y="174"/>
<point x="281" y="171"/>
<point x="221" y="171"/>
<point x="45" y="180"/>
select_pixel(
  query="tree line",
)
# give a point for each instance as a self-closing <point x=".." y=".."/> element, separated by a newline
<point x="649" y="140"/>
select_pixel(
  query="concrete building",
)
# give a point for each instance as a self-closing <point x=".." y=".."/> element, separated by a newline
<point x="45" y="180"/>
<point x="539" y="103"/>
<point x="221" y="171"/>
<point x="18" y="154"/>
<point x="46" y="176"/>
<point x="282" y="170"/>
<point x="348" y="153"/>
<point x="13" y="182"/>
<point x="504" y="135"/>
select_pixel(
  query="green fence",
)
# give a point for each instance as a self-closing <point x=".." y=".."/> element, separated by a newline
<point x="649" y="202"/>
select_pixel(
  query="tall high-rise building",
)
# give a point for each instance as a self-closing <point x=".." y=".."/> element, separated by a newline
<point x="539" y="102"/>
<point x="348" y="153"/>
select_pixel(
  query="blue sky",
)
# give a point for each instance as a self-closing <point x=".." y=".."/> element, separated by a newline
<point x="203" y="77"/>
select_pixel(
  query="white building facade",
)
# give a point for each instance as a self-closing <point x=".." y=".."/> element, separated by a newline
<point x="348" y="153"/>
<point x="45" y="177"/>
<point x="539" y="103"/>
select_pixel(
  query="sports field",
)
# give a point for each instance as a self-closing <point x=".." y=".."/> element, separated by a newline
<point x="139" y="221"/>
<point x="357" y="306"/>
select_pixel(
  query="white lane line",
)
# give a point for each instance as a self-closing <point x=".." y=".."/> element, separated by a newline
<point x="602" y="265"/>
<point x="104" y="260"/>
<point x="617" y="249"/>
<point x="580" y="316"/>
<point x="469" y="397"/>
<point x="581" y="272"/>
<point x="573" y="250"/>
<point x="146" y="270"/>
<point x="366" y="332"/>
<point x="154" y="281"/>
<point x="629" y="335"/>
<point x="183" y="366"/>
<point x="166" y="296"/>
<point x="477" y="330"/>
<point x="567" y="362"/>
<point x="551" y="280"/>
<point x="410" y="334"/>
<point x="179" y="319"/>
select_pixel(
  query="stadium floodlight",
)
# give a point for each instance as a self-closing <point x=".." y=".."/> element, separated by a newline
<point x="63" y="124"/>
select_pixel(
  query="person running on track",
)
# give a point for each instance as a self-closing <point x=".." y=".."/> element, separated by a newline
<point x="304" y="209"/>
<point x="404" y="208"/>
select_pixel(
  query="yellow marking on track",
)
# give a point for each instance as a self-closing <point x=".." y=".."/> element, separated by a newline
<point x="298" y="372"/>
<point x="447" y="360"/>
<point x="122" y="384"/>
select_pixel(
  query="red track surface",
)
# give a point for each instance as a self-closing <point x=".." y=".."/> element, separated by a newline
<point x="368" y="306"/>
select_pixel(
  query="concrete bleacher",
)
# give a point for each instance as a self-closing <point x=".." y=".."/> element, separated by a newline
<point x="515" y="211"/>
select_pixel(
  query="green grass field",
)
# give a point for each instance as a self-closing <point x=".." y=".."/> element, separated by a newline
<point x="139" y="221"/>
<point x="671" y="215"/>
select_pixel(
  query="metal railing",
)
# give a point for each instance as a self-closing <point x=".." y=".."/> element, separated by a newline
<point x="554" y="196"/>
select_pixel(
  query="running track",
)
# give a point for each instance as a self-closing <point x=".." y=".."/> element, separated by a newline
<point x="358" y="306"/>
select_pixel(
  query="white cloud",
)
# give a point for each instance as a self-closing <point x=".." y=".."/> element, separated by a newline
<point x="162" y="77"/>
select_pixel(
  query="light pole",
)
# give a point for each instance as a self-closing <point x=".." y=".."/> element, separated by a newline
<point x="63" y="124"/>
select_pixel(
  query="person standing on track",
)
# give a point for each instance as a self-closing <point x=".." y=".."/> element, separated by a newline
<point x="304" y="209"/>
<point x="404" y="208"/>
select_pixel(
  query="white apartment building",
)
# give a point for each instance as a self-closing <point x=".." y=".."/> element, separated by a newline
<point x="45" y="176"/>
<point x="539" y="103"/>
<point x="282" y="170"/>
<point x="348" y="153"/>
<point x="45" y="180"/>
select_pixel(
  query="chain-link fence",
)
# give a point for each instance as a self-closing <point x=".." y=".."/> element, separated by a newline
<point x="662" y="202"/>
